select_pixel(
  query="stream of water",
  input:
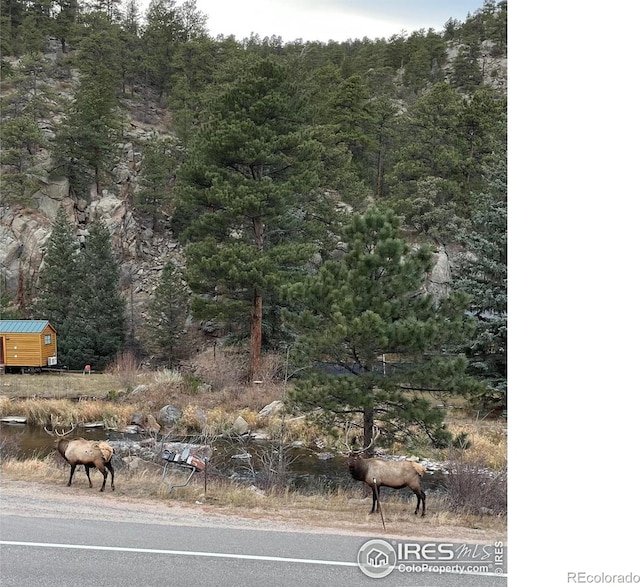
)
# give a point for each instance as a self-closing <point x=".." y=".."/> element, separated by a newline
<point x="307" y="469"/>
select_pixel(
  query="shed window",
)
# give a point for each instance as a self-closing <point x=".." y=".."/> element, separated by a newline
<point x="47" y="339"/>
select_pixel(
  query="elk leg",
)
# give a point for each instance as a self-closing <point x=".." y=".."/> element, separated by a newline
<point x="86" y="469"/>
<point x="421" y="498"/>
<point x="73" y="470"/>
<point x="110" y="467"/>
<point x="375" y="503"/>
<point x="104" y="477"/>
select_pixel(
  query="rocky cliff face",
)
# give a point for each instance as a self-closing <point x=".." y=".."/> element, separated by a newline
<point x="141" y="247"/>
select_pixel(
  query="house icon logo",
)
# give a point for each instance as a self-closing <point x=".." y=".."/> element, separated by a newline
<point x="376" y="558"/>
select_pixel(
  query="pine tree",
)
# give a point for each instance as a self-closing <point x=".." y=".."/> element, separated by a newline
<point x="103" y="307"/>
<point x="483" y="275"/>
<point x="157" y="171"/>
<point x="368" y="307"/>
<point x="168" y="314"/>
<point x="431" y="145"/>
<point x="467" y="74"/>
<point x="160" y="39"/>
<point x="247" y="188"/>
<point x="65" y="21"/>
<point x="21" y="138"/>
<point x="58" y="289"/>
<point x="86" y="139"/>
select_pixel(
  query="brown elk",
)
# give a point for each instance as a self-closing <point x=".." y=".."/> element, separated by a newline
<point x="378" y="473"/>
<point x="89" y="453"/>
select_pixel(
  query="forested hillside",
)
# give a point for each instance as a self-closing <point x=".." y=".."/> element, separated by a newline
<point x="201" y="181"/>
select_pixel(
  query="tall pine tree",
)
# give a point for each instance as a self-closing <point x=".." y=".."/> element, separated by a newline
<point x="482" y="274"/>
<point x="167" y="315"/>
<point x="388" y="345"/>
<point x="103" y="307"/>
<point x="59" y="296"/>
<point x="248" y="187"/>
<point x="87" y="137"/>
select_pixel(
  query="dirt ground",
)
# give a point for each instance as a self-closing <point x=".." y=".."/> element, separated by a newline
<point x="41" y="500"/>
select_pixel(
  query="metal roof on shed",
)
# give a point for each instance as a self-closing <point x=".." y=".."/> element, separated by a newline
<point x="27" y="326"/>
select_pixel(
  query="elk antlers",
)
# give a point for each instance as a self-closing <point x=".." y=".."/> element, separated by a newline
<point x="55" y="433"/>
<point x="376" y="434"/>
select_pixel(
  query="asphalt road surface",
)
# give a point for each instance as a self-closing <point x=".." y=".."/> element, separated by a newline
<point x="72" y="552"/>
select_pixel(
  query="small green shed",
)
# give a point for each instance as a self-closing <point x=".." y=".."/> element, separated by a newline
<point x="27" y="344"/>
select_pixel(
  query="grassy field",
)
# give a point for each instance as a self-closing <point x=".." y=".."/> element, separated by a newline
<point x="62" y="385"/>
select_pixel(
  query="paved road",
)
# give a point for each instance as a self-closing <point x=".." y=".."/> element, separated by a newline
<point x="66" y="552"/>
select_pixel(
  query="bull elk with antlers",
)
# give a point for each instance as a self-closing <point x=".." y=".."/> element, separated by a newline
<point x="378" y="473"/>
<point x="90" y="453"/>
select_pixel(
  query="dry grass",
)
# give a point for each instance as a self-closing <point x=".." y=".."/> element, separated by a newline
<point x="343" y="508"/>
<point x="58" y="386"/>
<point x="486" y="440"/>
<point x="224" y="368"/>
<point x="64" y="412"/>
<point x="220" y="368"/>
<point x="125" y="369"/>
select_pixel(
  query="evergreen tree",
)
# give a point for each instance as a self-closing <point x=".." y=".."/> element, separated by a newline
<point x="58" y="290"/>
<point x="160" y="39"/>
<point x="167" y="315"/>
<point x="430" y="145"/>
<point x="467" y="75"/>
<point x="483" y="275"/>
<point x="248" y="185"/>
<point x="12" y="13"/>
<point x="87" y="138"/>
<point x="21" y="138"/>
<point x="449" y="140"/>
<point x="351" y="118"/>
<point x="159" y="165"/>
<point x="32" y="35"/>
<point x="65" y="21"/>
<point x="78" y="292"/>
<point x="9" y="309"/>
<point x="102" y="306"/>
<point x="194" y="21"/>
<point x="33" y="96"/>
<point x="355" y="312"/>
<point x="200" y="67"/>
<point x="130" y="49"/>
<point x="483" y="126"/>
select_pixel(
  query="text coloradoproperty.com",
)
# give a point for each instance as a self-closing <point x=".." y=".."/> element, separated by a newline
<point x="428" y="568"/>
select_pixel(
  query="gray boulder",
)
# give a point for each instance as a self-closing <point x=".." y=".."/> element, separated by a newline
<point x="168" y="416"/>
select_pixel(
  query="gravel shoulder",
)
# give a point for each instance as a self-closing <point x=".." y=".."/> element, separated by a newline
<point x="24" y="498"/>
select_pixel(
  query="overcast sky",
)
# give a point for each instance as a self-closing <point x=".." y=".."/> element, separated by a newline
<point x="325" y="20"/>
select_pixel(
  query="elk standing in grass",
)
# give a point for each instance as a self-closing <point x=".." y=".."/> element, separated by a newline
<point x="89" y="453"/>
<point x="378" y="473"/>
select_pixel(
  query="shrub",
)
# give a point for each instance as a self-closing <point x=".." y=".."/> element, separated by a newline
<point x="473" y="488"/>
<point x="126" y="369"/>
<point x="169" y="378"/>
<point x="221" y="368"/>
